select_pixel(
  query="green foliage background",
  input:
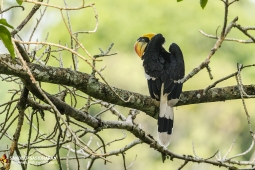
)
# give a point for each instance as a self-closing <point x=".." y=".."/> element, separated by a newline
<point x="211" y="126"/>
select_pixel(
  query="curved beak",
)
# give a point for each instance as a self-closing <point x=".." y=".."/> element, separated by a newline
<point x="142" y="43"/>
<point x="140" y="47"/>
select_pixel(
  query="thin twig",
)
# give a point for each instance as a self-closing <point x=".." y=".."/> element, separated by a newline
<point x="244" y="30"/>
<point x="25" y="21"/>
<point x="244" y="153"/>
<point x="229" y="150"/>
<point x="213" y="50"/>
<point x="15" y="6"/>
<point x="59" y="7"/>
<point x="183" y="165"/>
<point x="21" y="107"/>
<point x="240" y="87"/>
<point x="227" y="39"/>
<point x="36" y="26"/>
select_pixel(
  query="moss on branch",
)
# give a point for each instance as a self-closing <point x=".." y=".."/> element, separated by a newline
<point x="91" y="86"/>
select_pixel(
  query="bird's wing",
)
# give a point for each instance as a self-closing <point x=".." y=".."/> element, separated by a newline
<point x="174" y="72"/>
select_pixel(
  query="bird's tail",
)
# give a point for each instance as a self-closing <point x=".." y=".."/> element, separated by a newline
<point x="165" y="121"/>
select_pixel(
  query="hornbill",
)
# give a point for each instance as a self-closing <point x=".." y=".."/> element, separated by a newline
<point x="163" y="71"/>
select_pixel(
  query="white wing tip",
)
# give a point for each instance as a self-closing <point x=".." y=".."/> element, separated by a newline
<point x="164" y="139"/>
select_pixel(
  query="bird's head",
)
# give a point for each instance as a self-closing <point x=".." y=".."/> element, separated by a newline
<point x="142" y="43"/>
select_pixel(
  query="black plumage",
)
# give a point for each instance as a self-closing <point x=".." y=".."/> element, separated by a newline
<point x="165" y="67"/>
<point x="164" y="71"/>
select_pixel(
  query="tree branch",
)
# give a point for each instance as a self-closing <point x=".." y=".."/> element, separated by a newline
<point x="21" y="107"/>
<point x="216" y="46"/>
<point x="25" y="21"/>
<point x="91" y="86"/>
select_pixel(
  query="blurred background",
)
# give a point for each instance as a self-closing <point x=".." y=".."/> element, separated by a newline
<point x="210" y="126"/>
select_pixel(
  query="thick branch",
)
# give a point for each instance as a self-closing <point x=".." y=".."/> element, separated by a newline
<point x="91" y="86"/>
